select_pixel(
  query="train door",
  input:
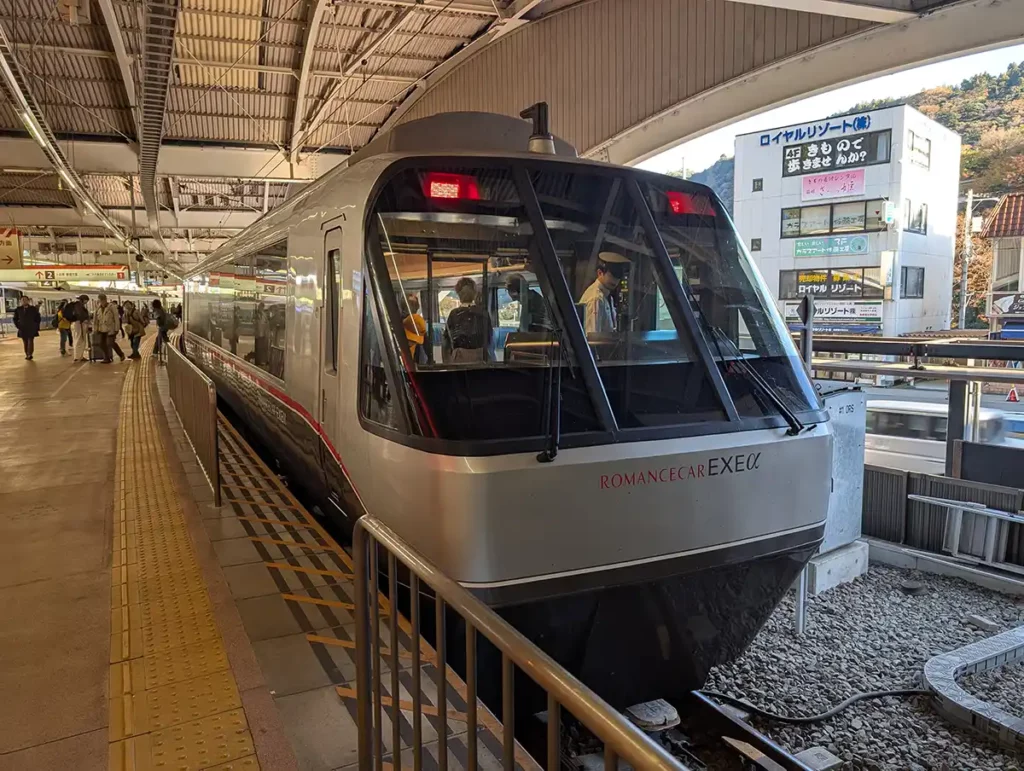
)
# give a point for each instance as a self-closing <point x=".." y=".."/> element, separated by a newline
<point x="330" y="356"/>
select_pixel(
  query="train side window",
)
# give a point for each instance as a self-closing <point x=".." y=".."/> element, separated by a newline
<point x="333" y="280"/>
<point x="270" y="296"/>
<point x="375" y="398"/>
<point x="241" y="324"/>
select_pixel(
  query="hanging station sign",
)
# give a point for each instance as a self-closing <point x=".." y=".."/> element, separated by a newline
<point x="836" y="154"/>
<point x="10" y="249"/>
<point x="59" y="273"/>
<point x="828" y="246"/>
<point x="835" y="184"/>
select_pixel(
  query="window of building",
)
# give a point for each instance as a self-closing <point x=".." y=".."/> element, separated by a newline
<point x="755" y="244"/>
<point x="915" y="217"/>
<point x="845" y="284"/>
<point x="848" y="217"/>
<point x="815" y="219"/>
<point x="851" y="217"/>
<point x="758" y="185"/>
<point x="911" y="283"/>
<point x="920" y="150"/>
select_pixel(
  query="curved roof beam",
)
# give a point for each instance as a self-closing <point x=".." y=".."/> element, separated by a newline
<point x="124" y="62"/>
<point x="511" y="18"/>
<point x="304" y="128"/>
<point x="316" y="12"/>
<point x="947" y="32"/>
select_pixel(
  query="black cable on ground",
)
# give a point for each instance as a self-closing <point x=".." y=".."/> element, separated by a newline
<point x="745" y="705"/>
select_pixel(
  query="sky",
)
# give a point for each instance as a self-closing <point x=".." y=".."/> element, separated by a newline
<point x="704" y="151"/>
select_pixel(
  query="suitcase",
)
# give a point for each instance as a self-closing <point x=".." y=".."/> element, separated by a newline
<point x="95" y="346"/>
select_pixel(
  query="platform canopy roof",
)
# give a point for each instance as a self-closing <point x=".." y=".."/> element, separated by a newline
<point x="165" y="126"/>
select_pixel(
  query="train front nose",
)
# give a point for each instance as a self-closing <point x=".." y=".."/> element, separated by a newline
<point x="639" y="568"/>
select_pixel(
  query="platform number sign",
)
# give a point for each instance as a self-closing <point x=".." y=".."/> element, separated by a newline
<point x="836" y="153"/>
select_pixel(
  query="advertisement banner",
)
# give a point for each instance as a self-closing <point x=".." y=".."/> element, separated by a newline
<point x="836" y="154"/>
<point x="846" y="316"/>
<point x="825" y="246"/>
<point x="836" y="184"/>
<point x="1007" y="304"/>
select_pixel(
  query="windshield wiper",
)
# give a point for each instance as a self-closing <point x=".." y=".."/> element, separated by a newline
<point x="553" y="406"/>
<point x="752" y="376"/>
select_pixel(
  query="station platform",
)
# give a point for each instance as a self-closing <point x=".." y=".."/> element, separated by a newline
<point x="144" y="627"/>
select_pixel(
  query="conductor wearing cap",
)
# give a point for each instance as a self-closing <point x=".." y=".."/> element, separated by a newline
<point x="599" y="314"/>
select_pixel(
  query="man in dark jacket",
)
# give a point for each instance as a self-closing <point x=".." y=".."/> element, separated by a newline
<point x="26" y="320"/>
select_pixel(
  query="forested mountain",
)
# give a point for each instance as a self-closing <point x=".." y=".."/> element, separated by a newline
<point x="719" y="178"/>
<point x="987" y="111"/>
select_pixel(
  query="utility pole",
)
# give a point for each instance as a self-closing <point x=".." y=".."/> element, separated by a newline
<point x="965" y="258"/>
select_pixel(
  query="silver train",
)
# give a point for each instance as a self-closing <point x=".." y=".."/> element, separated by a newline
<point x="494" y="351"/>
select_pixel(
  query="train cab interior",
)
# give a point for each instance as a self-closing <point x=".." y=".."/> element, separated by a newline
<point x="486" y="290"/>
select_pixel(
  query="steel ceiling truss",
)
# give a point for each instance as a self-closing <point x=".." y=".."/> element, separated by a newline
<point x="161" y="20"/>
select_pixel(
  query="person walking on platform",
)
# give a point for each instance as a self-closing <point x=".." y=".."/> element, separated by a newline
<point x="64" y="328"/>
<point x="77" y="312"/>
<point x="136" y="328"/>
<point x="105" y="326"/>
<point x="163" y="326"/>
<point x="27" y="322"/>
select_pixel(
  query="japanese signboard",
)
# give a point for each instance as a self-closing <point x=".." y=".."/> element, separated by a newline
<point x="817" y="187"/>
<point x="840" y="153"/>
<point x="862" y="316"/>
<point x="830" y="245"/>
<point x="10" y="249"/>
<point x="824" y="129"/>
<point x="1007" y="304"/>
<point x="55" y="273"/>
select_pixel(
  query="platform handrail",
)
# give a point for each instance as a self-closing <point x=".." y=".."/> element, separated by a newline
<point x="194" y="397"/>
<point x="620" y="737"/>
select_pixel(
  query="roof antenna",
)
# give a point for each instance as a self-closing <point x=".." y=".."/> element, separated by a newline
<point x="541" y="140"/>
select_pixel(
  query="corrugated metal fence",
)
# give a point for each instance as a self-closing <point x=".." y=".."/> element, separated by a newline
<point x="890" y="516"/>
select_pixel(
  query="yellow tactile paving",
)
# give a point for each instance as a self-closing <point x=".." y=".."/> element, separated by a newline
<point x="174" y="703"/>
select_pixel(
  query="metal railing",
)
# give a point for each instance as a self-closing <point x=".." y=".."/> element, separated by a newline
<point x="195" y="402"/>
<point x="620" y="737"/>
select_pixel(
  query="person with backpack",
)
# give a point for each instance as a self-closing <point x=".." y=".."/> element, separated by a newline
<point x="136" y="328"/>
<point x="467" y="333"/>
<point x="77" y="313"/>
<point x="165" y="322"/>
<point x="27" y="322"/>
<point x="63" y="326"/>
<point x="105" y="327"/>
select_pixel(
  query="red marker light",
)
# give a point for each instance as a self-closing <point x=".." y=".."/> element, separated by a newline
<point x="687" y="203"/>
<point x="452" y="187"/>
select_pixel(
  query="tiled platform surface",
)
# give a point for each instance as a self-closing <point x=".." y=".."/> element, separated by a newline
<point x="291" y="585"/>
<point x="957" y="705"/>
<point x="58" y="425"/>
<point x="180" y="695"/>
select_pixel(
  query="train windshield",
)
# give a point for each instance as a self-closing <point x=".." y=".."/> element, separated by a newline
<point x="511" y="303"/>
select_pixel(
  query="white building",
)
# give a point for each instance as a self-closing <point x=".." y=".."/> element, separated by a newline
<point x="858" y="210"/>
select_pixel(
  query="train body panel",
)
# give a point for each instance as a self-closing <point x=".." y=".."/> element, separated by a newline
<point x="651" y="485"/>
<point x="492" y="520"/>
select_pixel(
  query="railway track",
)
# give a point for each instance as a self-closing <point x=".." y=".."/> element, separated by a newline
<point x="702" y="734"/>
